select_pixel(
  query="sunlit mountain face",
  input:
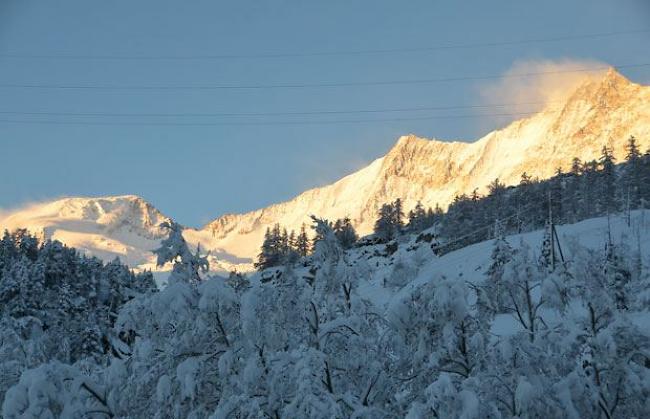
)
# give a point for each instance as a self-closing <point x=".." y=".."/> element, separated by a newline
<point x="602" y="110"/>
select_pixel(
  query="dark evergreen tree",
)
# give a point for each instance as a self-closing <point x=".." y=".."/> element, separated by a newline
<point x="608" y="198"/>
<point x="270" y="254"/>
<point x="417" y="218"/>
<point x="573" y="192"/>
<point x="547" y="256"/>
<point x="590" y="192"/>
<point x="633" y="175"/>
<point x="390" y="222"/>
<point x="302" y="245"/>
<point x="345" y="232"/>
<point x="398" y="216"/>
<point x="495" y="202"/>
<point x="420" y="219"/>
<point x="384" y="226"/>
<point x="522" y="201"/>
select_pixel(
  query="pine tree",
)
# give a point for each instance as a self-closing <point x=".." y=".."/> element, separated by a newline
<point x="345" y="232"/>
<point x="284" y="245"/>
<point x="384" y="227"/>
<point x="590" y="192"/>
<point x="459" y="221"/>
<point x="275" y="248"/>
<point x="576" y="167"/>
<point x="265" y="256"/>
<point x="302" y="242"/>
<point x="633" y="175"/>
<point x="501" y="255"/>
<point x="496" y="200"/>
<point x="607" y="179"/>
<point x="398" y="216"/>
<point x="291" y="256"/>
<point x="547" y="253"/>
<point x="522" y="196"/>
<point x="390" y="222"/>
<point x="573" y="192"/>
<point x="436" y="215"/>
<point x="417" y="218"/>
<point x="644" y="179"/>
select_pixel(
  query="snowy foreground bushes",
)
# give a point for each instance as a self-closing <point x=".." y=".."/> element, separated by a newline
<point x="309" y="344"/>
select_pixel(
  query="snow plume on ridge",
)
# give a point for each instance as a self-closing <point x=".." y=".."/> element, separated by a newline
<point x="532" y="85"/>
<point x="24" y="207"/>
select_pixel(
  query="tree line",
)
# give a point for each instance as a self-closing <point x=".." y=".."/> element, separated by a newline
<point x="281" y="248"/>
<point x="589" y="189"/>
<point x="56" y="304"/>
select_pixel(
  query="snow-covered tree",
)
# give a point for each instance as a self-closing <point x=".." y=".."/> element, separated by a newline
<point x="174" y="249"/>
<point x="546" y="259"/>
<point x="521" y="283"/>
<point x="494" y="286"/>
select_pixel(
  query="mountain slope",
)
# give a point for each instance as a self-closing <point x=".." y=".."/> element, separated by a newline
<point x="607" y="110"/>
<point x="120" y="226"/>
<point x="604" y="110"/>
<point x="126" y="227"/>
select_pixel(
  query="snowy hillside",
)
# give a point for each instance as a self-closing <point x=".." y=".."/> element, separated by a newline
<point x="378" y="331"/>
<point x="471" y="263"/>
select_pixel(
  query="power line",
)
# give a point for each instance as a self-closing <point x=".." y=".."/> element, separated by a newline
<point x="255" y="123"/>
<point x="308" y="85"/>
<point x="528" y="210"/>
<point x="321" y="53"/>
<point x="285" y="113"/>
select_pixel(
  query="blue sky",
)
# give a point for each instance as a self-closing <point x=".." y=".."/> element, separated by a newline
<point x="197" y="172"/>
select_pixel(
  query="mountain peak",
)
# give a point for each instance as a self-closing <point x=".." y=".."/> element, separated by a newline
<point x="613" y="77"/>
<point x="412" y="143"/>
<point x="609" y="83"/>
<point x="408" y="140"/>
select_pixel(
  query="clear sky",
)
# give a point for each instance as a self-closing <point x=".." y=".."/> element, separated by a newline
<point x="195" y="168"/>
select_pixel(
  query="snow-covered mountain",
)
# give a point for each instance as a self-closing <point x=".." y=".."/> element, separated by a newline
<point x="127" y="227"/>
<point x="119" y="226"/>
<point x="605" y="110"/>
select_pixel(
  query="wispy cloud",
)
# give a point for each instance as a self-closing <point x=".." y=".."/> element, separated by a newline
<point x="24" y="206"/>
<point x="548" y="82"/>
